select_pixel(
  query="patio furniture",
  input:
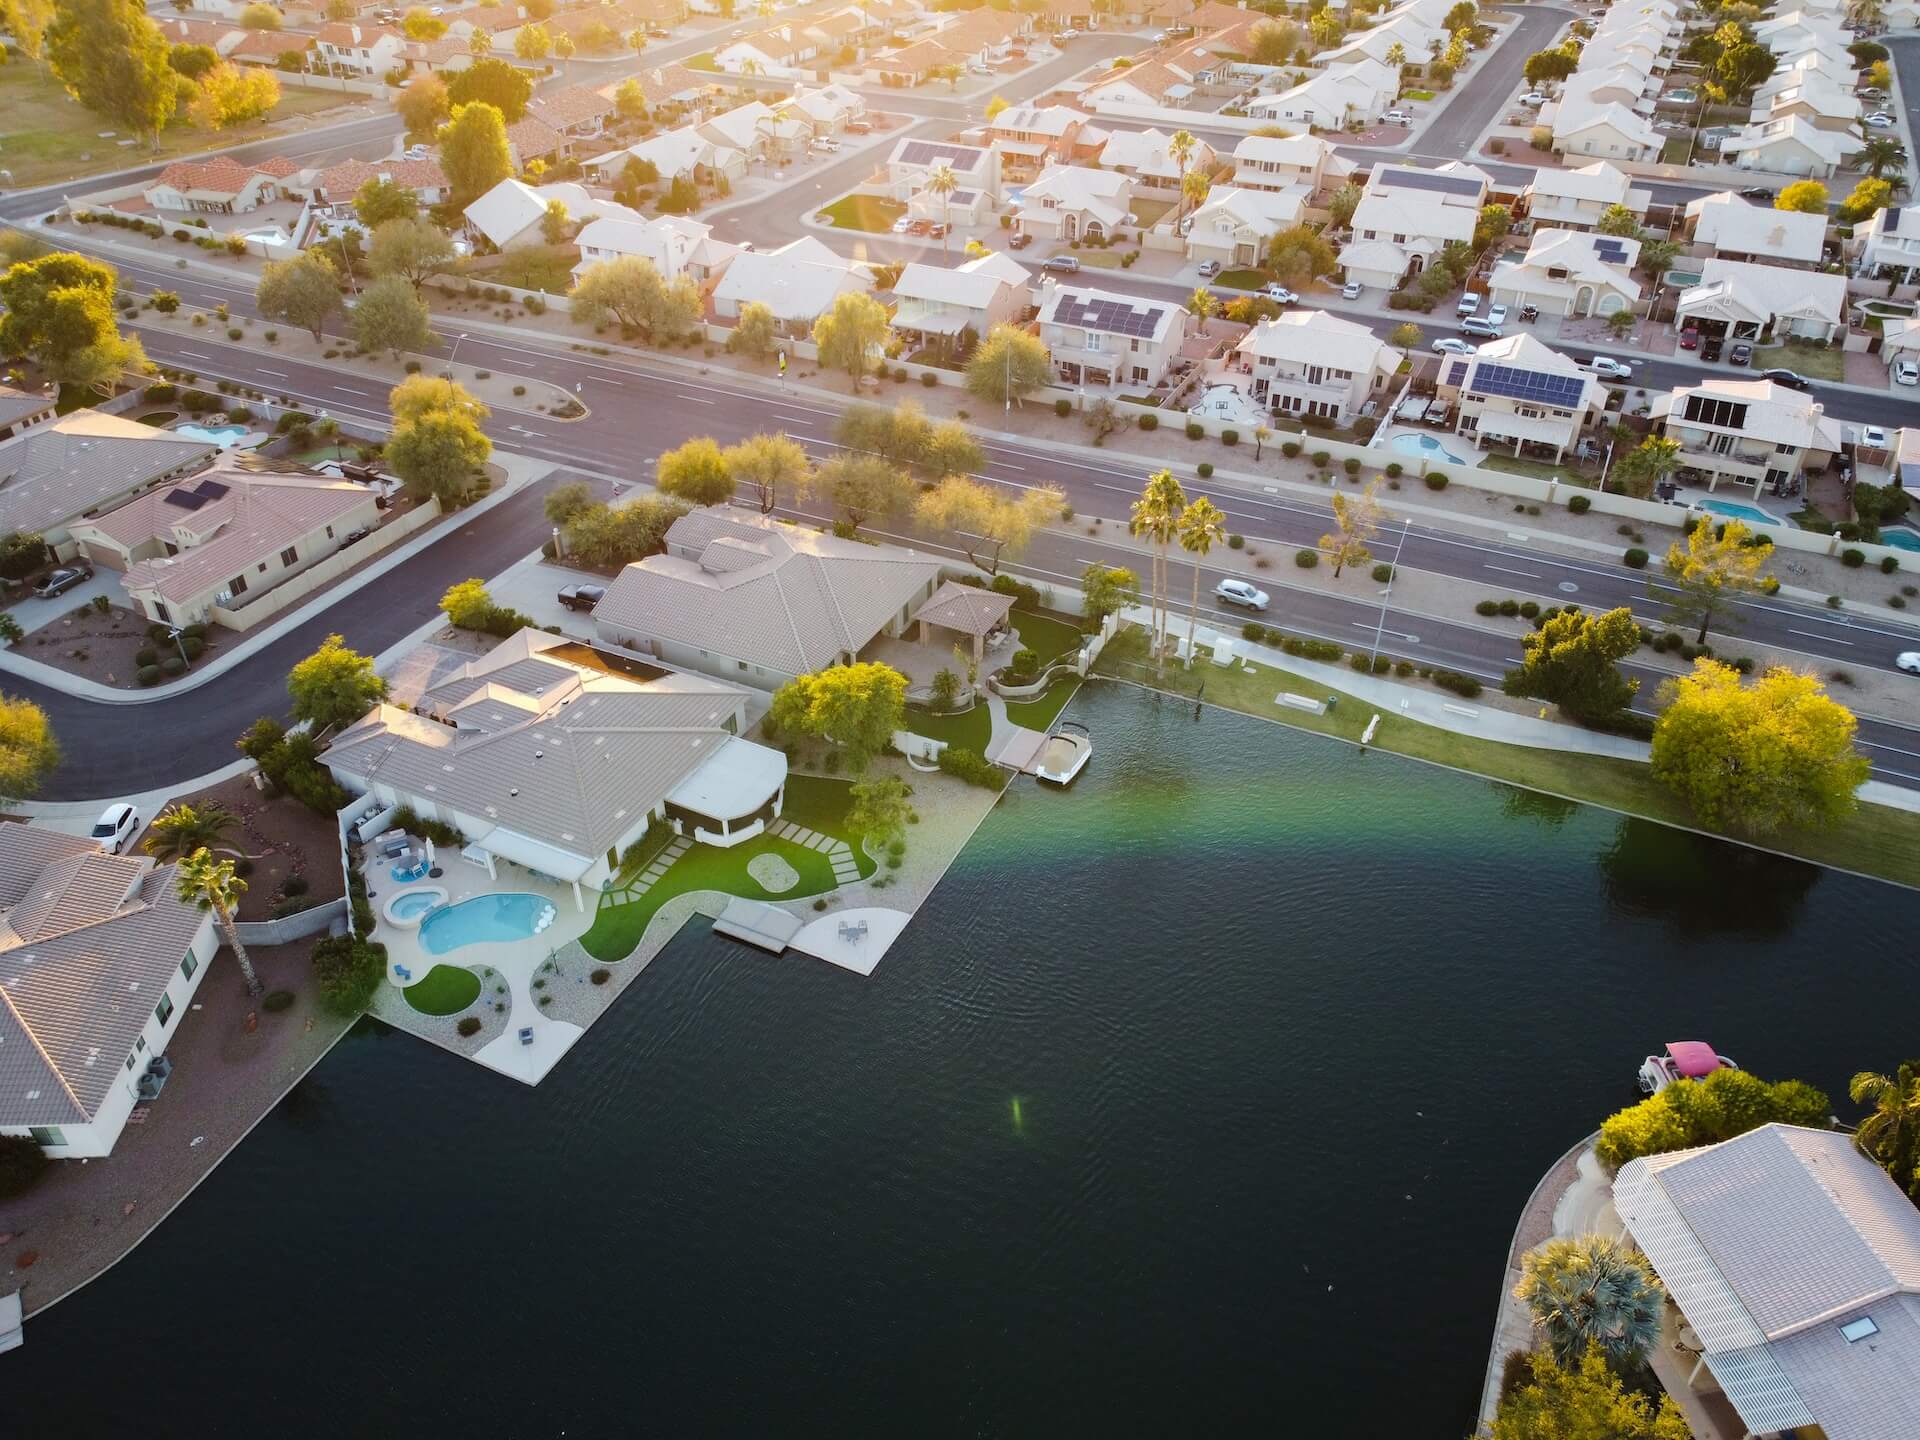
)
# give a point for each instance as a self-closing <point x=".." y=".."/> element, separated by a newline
<point x="854" y="931"/>
<point x="395" y="848"/>
<point x="526" y="1034"/>
<point x="403" y="972"/>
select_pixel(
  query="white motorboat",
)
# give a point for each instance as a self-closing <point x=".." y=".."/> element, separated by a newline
<point x="1684" y="1060"/>
<point x="1065" y="754"/>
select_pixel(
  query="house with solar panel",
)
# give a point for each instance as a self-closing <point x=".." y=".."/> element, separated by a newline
<point x="977" y="168"/>
<point x="1099" y="338"/>
<point x="1518" y="394"/>
<point x="1791" y="1264"/>
<point x="1570" y="272"/>
<point x="1406" y="216"/>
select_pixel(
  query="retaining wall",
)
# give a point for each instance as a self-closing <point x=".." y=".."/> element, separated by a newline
<point x="314" y="921"/>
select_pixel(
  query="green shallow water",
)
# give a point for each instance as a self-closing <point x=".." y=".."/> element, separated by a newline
<point x="1199" y="1099"/>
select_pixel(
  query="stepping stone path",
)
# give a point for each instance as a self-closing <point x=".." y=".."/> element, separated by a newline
<point x="659" y="866"/>
<point x="845" y="870"/>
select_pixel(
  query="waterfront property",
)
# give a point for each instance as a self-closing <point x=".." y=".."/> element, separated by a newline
<point x="98" y="960"/>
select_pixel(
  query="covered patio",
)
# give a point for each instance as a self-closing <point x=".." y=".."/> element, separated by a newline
<point x="978" y="617"/>
<point x="732" y="797"/>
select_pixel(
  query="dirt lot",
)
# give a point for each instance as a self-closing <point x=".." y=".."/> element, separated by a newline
<point x="281" y="837"/>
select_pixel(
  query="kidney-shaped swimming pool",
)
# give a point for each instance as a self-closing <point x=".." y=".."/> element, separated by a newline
<point x="485" y="919"/>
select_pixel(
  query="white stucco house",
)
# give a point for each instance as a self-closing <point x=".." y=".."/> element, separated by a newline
<point x="1743" y="301"/>
<point x="1234" y="225"/>
<point x="672" y="244"/>
<point x="1071" y="202"/>
<point x="1747" y="432"/>
<point x="1737" y="229"/>
<point x="798" y="283"/>
<point x="1516" y="392"/>
<point x="1308" y="362"/>
<point x="1100" y="338"/>
<point x="1280" y="162"/>
<point x="1576" y="199"/>
<point x="1570" y="272"/>
<point x="1793" y="146"/>
<point x="938" y="301"/>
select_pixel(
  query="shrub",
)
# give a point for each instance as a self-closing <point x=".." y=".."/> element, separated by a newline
<point x="602" y="975"/>
<point x="469" y="1026"/>
<point x="1204" y="469"/>
<point x="277" y="1000"/>
<point x="1394" y="470"/>
<point x="1229" y="437"/>
<point x="519" y="390"/>
<point x="1529" y="609"/>
<point x="1889" y="564"/>
<point x="1306" y="559"/>
<point x="1321" y="459"/>
<point x="1063" y="408"/>
<point x="1464" y="686"/>
<point x="412" y="367"/>
<point x="158" y="392"/>
<point x="172" y="665"/>
<point x="1704" y="1112"/>
<point x="970" y="766"/>
<point x="1236" y="541"/>
<point x="1195" y="430"/>
<point x="1253" y="630"/>
<point x="1403" y="668"/>
<point x="1436" y="480"/>
<point x="1322" y="650"/>
<point x="1383" y="572"/>
<point x="1509" y="607"/>
<point x="22" y="1163"/>
<point x="147" y="675"/>
<point x="194" y="648"/>
<point x="1579" y="504"/>
<point x="146" y="655"/>
<point x="1149" y="422"/>
<point x="1350" y="465"/>
<point x="1487" y="607"/>
<point x="1357" y="661"/>
<point x="1290" y="448"/>
<point x="234" y="332"/>
<point x="348" y="969"/>
<point x="1853" y="559"/>
<point x="1635" y="559"/>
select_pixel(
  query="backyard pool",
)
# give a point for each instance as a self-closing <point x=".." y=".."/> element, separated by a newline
<point x="413" y="904"/>
<point x="225" y="436"/>
<point x="1901" y="539"/>
<point x="1733" y="510"/>
<point x="485" y="919"/>
<point x="1425" y="446"/>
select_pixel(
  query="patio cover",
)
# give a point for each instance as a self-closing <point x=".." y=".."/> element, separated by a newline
<point x="1509" y="426"/>
<point x="736" y="780"/>
<point x="961" y="607"/>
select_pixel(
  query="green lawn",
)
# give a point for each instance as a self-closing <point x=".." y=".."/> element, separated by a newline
<point x="702" y="61"/>
<point x="1417" y="95"/>
<point x="444" y="990"/>
<point x="1151" y="212"/>
<point x="539" y="267"/>
<point x="1676" y="150"/>
<point x="1048" y="636"/>
<point x="47" y="134"/>
<point x="969" y="729"/>
<point x="816" y="803"/>
<point x="1816" y="362"/>
<point x="1538" y="469"/>
<point x="1241" y="280"/>
<point x="863" y="212"/>
<point x="1875" y="840"/>
<point x="1039" y="714"/>
<point x="1101" y="259"/>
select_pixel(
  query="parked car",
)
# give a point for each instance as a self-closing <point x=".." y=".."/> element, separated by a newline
<point x="1608" y="368"/>
<point x="116" y="827"/>
<point x="1480" y="328"/>
<point x="1871" y="92"/>
<point x="63" y="580"/>
<point x="1533" y="99"/>
<point x="582" y="597"/>
<point x="825" y="145"/>
<point x="1061" y="264"/>
<point x="1020" y="241"/>
<point x="1906" y="372"/>
<point x="1880" y="120"/>
<point x="1757" y="192"/>
<point x="1158" y="37"/>
<point x="1872" y="437"/>
<point x="1469" y="304"/>
<point x="858" y="127"/>
<point x="1280" y="293"/>
<point x="1792" y="379"/>
<point x="1690" y="338"/>
<point x="920" y="227"/>
<point x="936" y="228"/>
<point x="902" y="225"/>
<point x="1909" y="661"/>
<point x="1398" y="117"/>
<point x="414" y="152"/>
<point x="1209" y="269"/>
<point x="975" y="67"/>
<point x="1448" y="345"/>
<point x="1711" y="347"/>
<point x="1239" y="592"/>
<point x="1497" y="315"/>
<point x="1740" y="354"/>
<point x="1350" y="290"/>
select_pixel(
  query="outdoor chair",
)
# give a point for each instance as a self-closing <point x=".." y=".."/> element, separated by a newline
<point x="526" y="1035"/>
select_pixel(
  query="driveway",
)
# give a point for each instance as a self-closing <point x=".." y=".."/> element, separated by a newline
<point x="34" y="613"/>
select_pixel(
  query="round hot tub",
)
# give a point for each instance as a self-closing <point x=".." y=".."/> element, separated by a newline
<point x="409" y="907"/>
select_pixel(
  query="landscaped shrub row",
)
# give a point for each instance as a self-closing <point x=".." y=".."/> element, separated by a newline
<point x="1463" y="685"/>
<point x="971" y="766"/>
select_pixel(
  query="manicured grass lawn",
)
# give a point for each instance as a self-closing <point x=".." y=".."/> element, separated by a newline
<point x="970" y="729"/>
<point x="1539" y="469"/>
<point x="543" y="267"/>
<point x="1101" y="259"/>
<point x="1039" y="714"/>
<point x="444" y="990"/>
<point x="863" y="212"/>
<point x="1816" y="362"/>
<point x="1875" y="840"/>
<point x="47" y="133"/>
<point x="702" y="61"/>
<point x="1675" y="151"/>
<point x="1417" y="95"/>
<point x="1151" y="212"/>
<point x="1241" y="279"/>
<point x="1048" y="636"/>
<point x="819" y="804"/>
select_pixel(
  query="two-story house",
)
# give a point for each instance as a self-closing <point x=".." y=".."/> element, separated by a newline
<point x="1747" y="432"/>
<point x="941" y="303"/>
<point x="1518" y="392"/>
<point x="1233" y="226"/>
<point x="1406" y="216"/>
<point x="1307" y="362"/>
<point x="1577" y="199"/>
<point x="1031" y="137"/>
<point x="1099" y="338"/>
<point x="1072" y="202"/>
<point x="672" y="244"/>
<point x="1357" y="93"/>
<point x="913" y="162"/>
<point x="1282" y="162"/>
<point x="1570" y="272"/>
<point x="1890" y="243"/>
<point x="359" y="49"/>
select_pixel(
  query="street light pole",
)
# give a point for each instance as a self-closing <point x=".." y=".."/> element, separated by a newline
<point x="1387" y="594"/>
<point x="1605" y="467"/>
<point x="458" y="340"/>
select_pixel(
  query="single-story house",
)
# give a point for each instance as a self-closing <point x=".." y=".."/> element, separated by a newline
<point x="798" y="283"/>
<point x="99" y="959"/>
<point x="1743" y="301"/>
<point x="1605" y="128"/>
<point x="1570" y="272"/>
<point x="677" y="154"/>
<point x="508" y="216"/>
<point x="759" y="601"/>
<point x="1792" y="146"/>
<point x="1233" y="226"/>
<point x="777" y="52"/>
<point x="338" y="184"/>
<point x="827" y="108"/>
<point x="1353" y="94"/>
<point x="1737" y="230"/>
<point x="21" y="410"/>
<point x="82" y="462"/>
<point x="986" y="291"/>
<point x="575" y="111"/>
<point x="548" y="760"/>
<point x="221" y="185"/>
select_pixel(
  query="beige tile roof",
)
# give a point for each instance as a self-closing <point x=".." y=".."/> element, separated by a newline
<point x="343" y="181"/>
<point x="54" y="472"/>
<point x="88" y="945"/>
<point x="779" y="596"/>
<point x="575" y="105"/>
<point x="965" y="608"/>
<point x="222" y="175"/>
<point x="533" y="138"/>
<point x="270" y="45"/>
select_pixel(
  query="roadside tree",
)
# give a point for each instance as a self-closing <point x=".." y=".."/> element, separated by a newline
<point x="1010" y="364"/>
<point x="507" y="88"/>
<point x="990" y="524"/>
<point x="563" y="502"/>
<point x="855" y="707"/>
<point x="1405" y="336"/>
<point x="753" y="332"/>
<point x="768" y="466"/>
<point x="852" y="334"/>
<point x="230" y="95"/>
<point x="1155" y="518"/>
<point x="473" y="149"/>
<point x="1298" y="256"/>
<point x="439" y="454"/>
<point x="1809" y="197"/>
<point x="423" y="105"/>
<point x="1572" y="661"/>
<point x="416" y="250"/>
<point x="1201" y="526"/>
<point x="421" y="395"/>
<point x="1709" y="571"/>
<point x="390" y="315"/>
<point x="860" y="487"/>
<point x="1356" y="519"/>
<point x="1555" y="64"/>
<point x="59" y="313"/>
<point x="630" y="292"/>
<point x="695" y="472"/>
<point x="28" y="750"/>
<point x="1106" y="591"/>
<point x="303" y="291"/>
<point x="113" y="60"/>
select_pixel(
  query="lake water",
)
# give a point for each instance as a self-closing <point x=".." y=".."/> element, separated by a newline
<point x="1201" y="1099"/>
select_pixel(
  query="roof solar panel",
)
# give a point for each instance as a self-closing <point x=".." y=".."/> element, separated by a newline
<point x="185" y="499"/>
<point x="1539" y="386"/>
<point x="1610" y="250"/>
<point x="1112" y="317"/>
<point x="930" y="152"/>
<point x="1426" y="180"/>
<point x="211" y="489"/>
<point x="1456" y="372"/>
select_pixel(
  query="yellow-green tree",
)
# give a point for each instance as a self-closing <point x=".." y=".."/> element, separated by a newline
<point x="1585" y="1402"/>
<point x="532" y="42"/>
<point x="473" y="150"/>
<point x="1710" y="569"/>
<point x="113" y="60"/>
<point x="334" y="686"/>
<point x="1809" y="197"/>
<point x="1772" y="755"/>
<point x="1356" y="520"/>
<point x="1010" y="364"/>
<point x="768" y="466"/>
<point x="695" y="472"/>
<point x="851" y="334"/>
<point x="231" y="95"/>
<point x="421" y="395"/>
<point x="855" y="707"/>
<point x="989" y="523"/>
<point x="27" y="748"/>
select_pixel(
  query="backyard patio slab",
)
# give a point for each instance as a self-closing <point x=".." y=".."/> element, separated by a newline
<point x="839" y="938"/>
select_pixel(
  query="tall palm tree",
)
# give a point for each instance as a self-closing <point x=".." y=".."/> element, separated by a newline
<point x="1180" y="148"/>
<point x="1592" y="1288"/>
<point x="1156" y="519"/>
<point x="479" y="43"/>
<point x="210" y="884"/>
<point x="1397" y="55"/>
<point x="1194" y="189"/>
<point x="1880" y="154"/>
<point x="1201" y="525"/>
<point x="183" y="829"/>
<point x="1891" y="1134"/>
<point x="943" y="182"/>
<point x="1656" y="256"/>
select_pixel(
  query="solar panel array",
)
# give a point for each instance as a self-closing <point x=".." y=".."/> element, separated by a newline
<point x="1613" y="251"/>
<point x="930" y="152"/>
<point x="1112" y="317"/>
<point x="1539" y="386"/>
<point x="1456" y="372"/>
<point x="1428" y="180"/>
<point x="196" y="497"/>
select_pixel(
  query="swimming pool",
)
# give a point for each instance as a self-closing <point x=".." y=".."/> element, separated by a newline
<point x="1733" y="510"/>
<point x="225" y="436"/>
<point x="485" y="919"/>
<point x="1427" y="446"/>
<point x="413" y="904"/>
<point x="1901" y="539"/>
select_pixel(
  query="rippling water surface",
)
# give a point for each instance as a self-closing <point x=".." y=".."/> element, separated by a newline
<point x="1200" y="1099"/>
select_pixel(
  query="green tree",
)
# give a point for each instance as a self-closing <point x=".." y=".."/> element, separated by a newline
<point x="473" y="149"/>
<point x="1690" y="1113"/>
<point x="381" y="200"/>
<point x="1809" y="197"/>
<point x="1201" y="526"/>
<point x="59" y="313"/>
<point x="1555" y="64"/>
<point x="113" y="60"/>
<point x="423" y="105"/>
<point x="390" y="315"/>
<point x="1405" y="336"/>
<point x="851" y="334"/>
<point x="695" y="472"/>
<point x="1155" y="518"/>
<point x="26" y="22"/>
<point x="1743" y="67"/>
<point x="1656" y="256"/>
<point x="532" y="42"/>
<point x="856" y="707"/>
<point x="467" y="602"/>
<point x="1761" y="758"/>
<point x="1655" y="459"/>
<point x="1299" y="255"/>
<point x="880" y="812"/>
<point x="507" y="88"/>
<point x="419" y="23"/>
<point x="1589" y="1402"/>
<point x="629" y="100"/>
<point x="209" y="884"/>
<point x="1572" y="661"/>
<point x="1010" y="364"/>
<point x="1495" y="222"/>
<point x="630" y="292"/>
<point x="1890" y="1134"/>
<point x="230" y="95"/>
<point x="563" y="502"/>
<point x="1356" y="520"/>
<point x="1709" y="570"/>
<point x="347" y="971"/>
<point x="613" y="535"/>
<point x="192" y="61"/>
<point x="555" y="225"/>
<point x="421" y="395"/>
<point x="1592" y="1290"/>
<point x="179" y="830"/>
<point x="1202" y="304"/>
<point x="415" y="250"/>
<point x="941" y="182"/>
<point x="1107" y="590"/>
<point x="1195" y="186"/>
<point x="860" y="487"/>
<point x="28" y="750"/>
<point x="988" y="523"/>
<point x="1326" y="28"/>
<point x="768" y="466"/>
<point x="479" y="42"/>
<point x="1460" y="17"/>
<point x="753" y="334"/>
<point x="1619" y="220"/>
<point x="1272" y="42"/>
<point x="334" y="687"/>
<point x="261" y="16"/>
<point x="439" y="454"/>
<point x="1342" y="203"/>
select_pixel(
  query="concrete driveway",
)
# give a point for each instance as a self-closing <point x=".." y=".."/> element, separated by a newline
<point x="34" y="613"/>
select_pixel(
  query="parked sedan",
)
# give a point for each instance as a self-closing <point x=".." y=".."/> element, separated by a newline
<point x="582" y="597"/>
<point x="1497" y="315"/>
<point x="1792" y="379"/>
<point x="1740" y="354"/>
<point x="1608" y="368"/>
<point x="1480" y="328"/>
<point x="1063" y="264"/>
<point x="1880" y="120"/>
<point x="1872" y="437"/>
<point x="1020" y="241"/>
<point x="1690" y="338"/>
<point x="1350" y="290"/>
<point x="902" y="225"/>
<point x="1906" y="372"/>
<point x="1239" y="592"/>
<point x="1757" y="192"/>
<point x="1448" y="345"/>
<point x="116" y="827"/>
<point x="63" y="580"/>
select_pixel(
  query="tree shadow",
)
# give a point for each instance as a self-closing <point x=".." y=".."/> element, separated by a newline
<point x="1701" y="887"/>
<point x="1549" y="810"/>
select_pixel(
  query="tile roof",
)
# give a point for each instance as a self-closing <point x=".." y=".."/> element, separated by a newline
<point x="1316" y="337"/>
<point x="18" y="405"/>
<point x="779" y="596"/>
<point x="270" y="44"/>
<point x="575" y="105"/>
<point x="966" y="608"/>
<point x="345" y="35"/>
<point x="343" y="181"/>
<point x="56" y="471"/>
<point x="222" y="175"/>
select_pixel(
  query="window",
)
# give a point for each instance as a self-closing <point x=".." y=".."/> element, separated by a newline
<point x="1140" y="372"/>
<point x="188" y="965"/>
<point x="1783" y="449"/>
<point x="329" y="532"/>
<point x="238" y="585"/>
<point x="48" y="1136"/>
<point x="163" y="1012"/>
<point x="290" y="556"/>
<point x="1856" y="1330"/>
<point x="263" y="567"/>
<point x="132" y="1060"/>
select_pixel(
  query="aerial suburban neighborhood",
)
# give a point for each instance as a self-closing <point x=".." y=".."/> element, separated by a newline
<point x="816" y="681"/>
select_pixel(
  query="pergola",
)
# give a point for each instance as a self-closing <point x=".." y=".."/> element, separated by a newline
<point x="964" y="609"/>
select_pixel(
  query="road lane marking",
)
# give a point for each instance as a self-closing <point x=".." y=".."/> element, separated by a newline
<point x="195" y="355"/>
<point x="697" y="400"/>
<point x="1815" y="635"/>
<point x="349" y="390"/>
<point x="277" y="374"/>
<point x="791" y="419"/>
<point x="1531" y="575"/>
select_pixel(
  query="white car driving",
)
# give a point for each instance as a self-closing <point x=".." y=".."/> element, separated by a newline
<point x="1608" y="368"/>
<point x="1281" y="294"/>
<point x="1448" y="345"/>
<point x="1239" y="592"/>
<point x="1908" y="661"/>
<point x="116" y="827"/>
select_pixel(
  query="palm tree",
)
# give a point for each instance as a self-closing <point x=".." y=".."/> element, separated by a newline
<point x="1880" y="154"/>
<point x="479" y="43"/>
<point x="1156" y="519"/>
<point x="1891" y="1134"/>
<point x="210" y="884"/>
<point x="1180" y="146"/>
<point x="1397" y="55"/>
<point x="943" y="182"/>
<point x="183" y="829"/>
<point x="1654" y="460"/>
<point x="1261" y="434"/>
<point x="1201" y="524"/>
<point x="1194" y="188"/>
<point x="1592" y="1289"/>
<point x="1656" y="256"/>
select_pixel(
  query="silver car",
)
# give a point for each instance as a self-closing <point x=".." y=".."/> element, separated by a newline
<point x="1239" y="592"/>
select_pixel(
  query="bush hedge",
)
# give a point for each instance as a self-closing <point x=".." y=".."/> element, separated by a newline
<point x="1635" y="558"/>
<point x="970" y="766"/>
<point x="1436" y="480"/>
<point x="1306" y="559"/>
<point x="1579" y="504"/>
